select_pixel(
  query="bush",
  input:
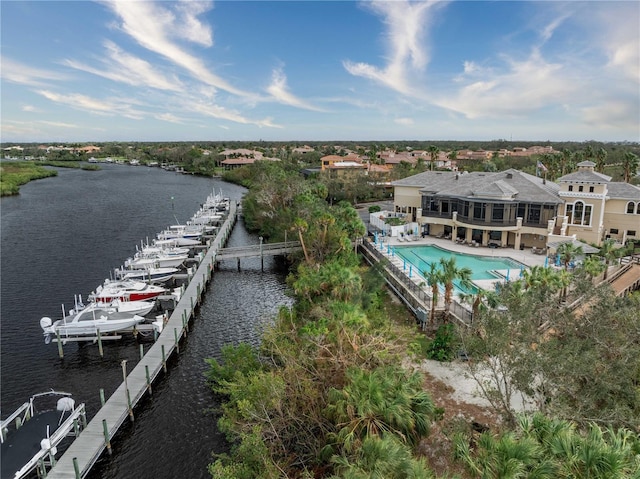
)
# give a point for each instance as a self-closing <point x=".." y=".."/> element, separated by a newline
<point x="443" y="346"/>
<point x="374" y="209"/>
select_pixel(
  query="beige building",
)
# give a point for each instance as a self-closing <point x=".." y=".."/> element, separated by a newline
<point x="596" y="208"/>
<point x="518" y="210"/>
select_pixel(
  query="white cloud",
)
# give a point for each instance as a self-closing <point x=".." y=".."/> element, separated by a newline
<point x="17" y="72"/>
<point x="404" y="121"/>
<point x="220" y="112"/>
<point x="118" y="106"/>
<point x="125" y="68"/>
<point x="279" y="90"/>
<point x="170" y="117"/>
<point x="406" y="23"/>
<point x="58" y="124"/>
<point x="30" y="109"/>
<point x="522" y="87"/>
<point x="154" y="25"/>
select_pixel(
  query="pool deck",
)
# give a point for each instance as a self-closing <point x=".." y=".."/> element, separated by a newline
<point x="526" y="257"/>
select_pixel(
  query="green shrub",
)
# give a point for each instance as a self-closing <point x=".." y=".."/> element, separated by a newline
<point x="374" y="209"/>
<point x="443" y="346"/>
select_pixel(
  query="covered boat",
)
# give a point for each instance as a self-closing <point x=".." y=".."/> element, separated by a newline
<point x="32" y="433"/>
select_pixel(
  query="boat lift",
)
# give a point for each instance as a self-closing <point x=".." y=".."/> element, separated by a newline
<point x="14" y="433"/>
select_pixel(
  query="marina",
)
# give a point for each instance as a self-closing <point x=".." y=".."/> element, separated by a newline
<point x="81" y="455"/>
<point x="240" y="302"/>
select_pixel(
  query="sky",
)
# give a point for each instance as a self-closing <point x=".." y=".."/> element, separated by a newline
<point x="80" y="71"/>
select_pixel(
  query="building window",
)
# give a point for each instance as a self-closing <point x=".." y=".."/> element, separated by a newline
<point x="631" y="206"/>
<point x="497" y="212"/>
<point x="631" y="232"/>
<point x="613" y="231"/>
<point x="591" y="189"/>
<point x="570" y="187"/>
<point x="579" y="214"/>
<point x="580" y="188"/>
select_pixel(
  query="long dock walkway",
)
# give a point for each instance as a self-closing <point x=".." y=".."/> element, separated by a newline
<point x="82" y="454"/>
<point x="628" y="281"/>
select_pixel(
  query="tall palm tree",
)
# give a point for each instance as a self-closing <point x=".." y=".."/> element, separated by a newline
<point x="433" y="278"/>
<point x="608" y="252"/>
<point x="301" y="226"/>
<point x="450" y="273"/>
<point x="565" y="161"/>
<point x="434" y="151"/>
<point x="629" y="165"/>
<point x="601" y="157"/>
<point x="452" y="156"/>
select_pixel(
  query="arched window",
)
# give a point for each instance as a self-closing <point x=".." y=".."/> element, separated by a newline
<point x="631" y="206"/>
<point x="578" y="210"/>
<point x="581" y="213"/>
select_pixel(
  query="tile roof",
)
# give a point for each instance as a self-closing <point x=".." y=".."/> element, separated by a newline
<point x="623" y="191"/>
<point x="509" y="185"/>
<point x="585" y="176"/>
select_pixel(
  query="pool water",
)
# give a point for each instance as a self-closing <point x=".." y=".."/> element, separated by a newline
<point x="482" y="267"/>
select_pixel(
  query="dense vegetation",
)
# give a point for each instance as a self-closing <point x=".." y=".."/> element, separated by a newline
<point x="14" y="173"/>
<point x="333" y="391"/>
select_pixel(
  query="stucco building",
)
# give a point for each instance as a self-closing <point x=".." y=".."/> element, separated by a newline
<point x="514" y="209"/>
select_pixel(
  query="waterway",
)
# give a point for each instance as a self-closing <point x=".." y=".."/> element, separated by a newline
<point x="60" y="237"/>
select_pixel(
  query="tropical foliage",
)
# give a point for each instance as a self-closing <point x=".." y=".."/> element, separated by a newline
<point x="330" y="391"/>
<point x="544" y="448"/>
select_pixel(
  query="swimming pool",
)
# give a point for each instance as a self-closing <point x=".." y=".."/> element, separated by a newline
<point x="482" y="267"/>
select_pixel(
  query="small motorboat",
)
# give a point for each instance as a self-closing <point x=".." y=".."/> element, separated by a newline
<point x="153" y="275"/>
<point x="93" y="319"/>
<point x="157" y="259"/>
<point x="31" y="434"/>
<point x="126" y="290"/>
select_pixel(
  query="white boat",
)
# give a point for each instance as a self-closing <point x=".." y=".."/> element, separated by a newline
<point x="158" y="259"/>
<point x="153" y="275"/>
<point x="127" y="290"/>
<point x="31" y="434"/>
<point x="178" y="232"/>
<point x="89" y="320"/>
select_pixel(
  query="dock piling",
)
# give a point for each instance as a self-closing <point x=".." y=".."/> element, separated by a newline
<point x="76" y="468"/>
<point x="107" y="441"/>
<point x="100" y="344"/>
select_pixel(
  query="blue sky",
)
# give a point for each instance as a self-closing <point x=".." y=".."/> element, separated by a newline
<point x="311" y="70"/>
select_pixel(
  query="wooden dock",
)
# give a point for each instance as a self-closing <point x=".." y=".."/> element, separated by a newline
<point x="83" y="453"/>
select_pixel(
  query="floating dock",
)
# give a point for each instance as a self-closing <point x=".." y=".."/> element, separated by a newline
<point x="83" y="453"/>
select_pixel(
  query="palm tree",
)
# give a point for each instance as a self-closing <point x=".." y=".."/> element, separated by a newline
<point x="480" y="300"/>
<point x="433" y="278"/>
<point x="592" y="267"/>
<point x="452" y="156"/>
<point x="609" y="252"/>
<point x="565" y="161"/>
<point x="601" y="156"/>
<point x="385" y="401"/>
<point x="434" y="151"/>
<point x="301" y="226"/>
<point x="451" y="273"/>
<point x="568" y="252"/>
<point x="541" y="279"/>
<point x="629" y="165"/>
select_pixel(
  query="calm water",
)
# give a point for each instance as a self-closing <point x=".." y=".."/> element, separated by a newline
<point x="61" y="236"/>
